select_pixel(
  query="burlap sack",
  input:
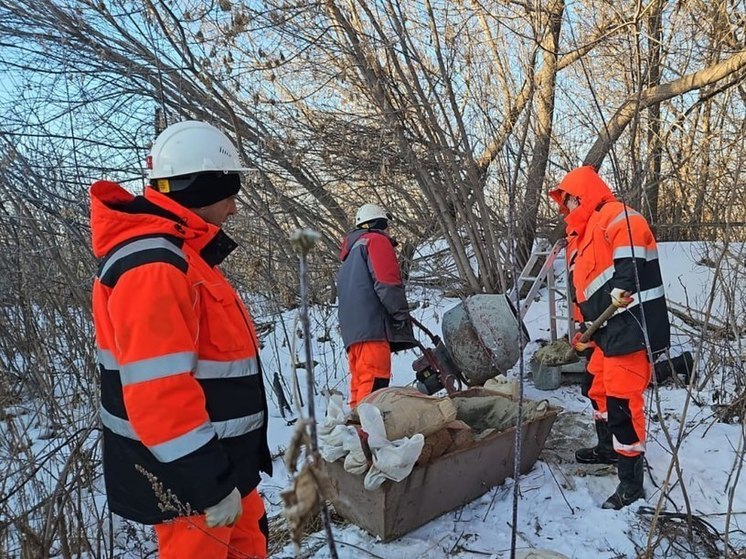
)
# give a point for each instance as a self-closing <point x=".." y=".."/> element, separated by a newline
<point x="495" y="411"/>
<point x="406" y="411"/>
<point x="435" y="445"/>
<point x="461" y="435"/>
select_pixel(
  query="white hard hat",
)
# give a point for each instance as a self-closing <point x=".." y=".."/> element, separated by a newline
<point x="369" y="212"/>
<point x="192" y="146"/>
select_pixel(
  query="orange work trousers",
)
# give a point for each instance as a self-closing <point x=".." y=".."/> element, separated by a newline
<point x="188" y="537"/>
<point x="368" y="361"/>
<point x="617" y="394"/>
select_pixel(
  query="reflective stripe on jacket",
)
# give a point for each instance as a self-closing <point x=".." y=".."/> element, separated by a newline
<point x="372" y="302"/>
<point x="182" y="399"/>
<point x="571" y="252"/>
<point x="614" y="245"/>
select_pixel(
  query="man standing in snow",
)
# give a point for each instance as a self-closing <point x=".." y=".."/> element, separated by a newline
<point x="183" y="405"/>
<point x="373" y="310"/>
<point x="613" y="259"/>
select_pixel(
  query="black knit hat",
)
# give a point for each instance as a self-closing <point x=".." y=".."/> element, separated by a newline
<point x="199" y="189"/>
<point x="381" y="224"/>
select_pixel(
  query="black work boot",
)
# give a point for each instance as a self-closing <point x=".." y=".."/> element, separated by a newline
<point x="603" y="452"/>
<point x="630" y="488"/>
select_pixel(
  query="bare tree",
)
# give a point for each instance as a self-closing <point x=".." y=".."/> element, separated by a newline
<point x="443" y="111"/>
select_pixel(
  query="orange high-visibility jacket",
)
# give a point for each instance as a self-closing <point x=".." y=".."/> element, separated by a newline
<point x="183" y="405"/>
<point x="571" y="252"/>
<point x="614" y="248"/>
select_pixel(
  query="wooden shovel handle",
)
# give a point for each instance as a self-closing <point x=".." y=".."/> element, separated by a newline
<point x="595" y="325"/>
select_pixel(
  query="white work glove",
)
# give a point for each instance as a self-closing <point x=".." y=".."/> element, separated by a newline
<point x="620" y="298"/>
<point x="226" y="512"/>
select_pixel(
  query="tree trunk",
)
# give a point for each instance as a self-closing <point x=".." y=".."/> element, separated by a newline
<point x="545" y="91"/>
<point x="655" y="147"/>
<point x="624" y="114"/>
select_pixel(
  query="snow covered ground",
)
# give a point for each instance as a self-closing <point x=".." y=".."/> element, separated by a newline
<point x="559" y="504"/>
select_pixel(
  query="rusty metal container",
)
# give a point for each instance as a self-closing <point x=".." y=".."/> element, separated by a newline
<point x="482" y="335"/>
<point x="448" y="482"/>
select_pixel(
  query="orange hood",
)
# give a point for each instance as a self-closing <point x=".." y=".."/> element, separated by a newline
<point x="118" y="215"/>
<point x="590" y="189"/>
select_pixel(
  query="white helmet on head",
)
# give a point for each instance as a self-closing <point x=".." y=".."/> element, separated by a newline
<point x="369" y="212"/>
<point x="192" y="146"/>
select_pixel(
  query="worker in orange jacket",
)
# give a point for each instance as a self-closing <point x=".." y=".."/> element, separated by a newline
<point x="183" y="406"/>
<point x="373" y="310"/>
<point x="614" y="260"/>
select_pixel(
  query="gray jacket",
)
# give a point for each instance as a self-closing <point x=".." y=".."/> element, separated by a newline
<point x="372" y="302"/>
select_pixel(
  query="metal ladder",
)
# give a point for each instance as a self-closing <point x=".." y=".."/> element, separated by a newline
<point x="545" y="276"/>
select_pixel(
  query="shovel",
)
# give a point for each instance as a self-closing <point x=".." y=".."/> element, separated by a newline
<point x="571" y="354"/>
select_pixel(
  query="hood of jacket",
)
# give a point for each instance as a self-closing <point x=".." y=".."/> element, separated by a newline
<point x="118" y="215"/>
<point x="352" y="237"/>
<point x="591" y="191"/>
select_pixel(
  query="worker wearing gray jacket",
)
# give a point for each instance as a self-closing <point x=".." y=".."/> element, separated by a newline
<point x="373" y="310"/>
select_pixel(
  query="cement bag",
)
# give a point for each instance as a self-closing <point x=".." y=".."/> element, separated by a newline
<point x="406" y="411"/>
<point x="392" y="460"/>
<point x="496" y="412"/>
<point x="502" y="385"/>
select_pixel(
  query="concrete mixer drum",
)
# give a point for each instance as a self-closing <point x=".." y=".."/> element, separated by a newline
<point x="482" y="334"/>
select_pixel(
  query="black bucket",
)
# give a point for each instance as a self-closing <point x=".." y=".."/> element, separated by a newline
<point x="682" y="365"/>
